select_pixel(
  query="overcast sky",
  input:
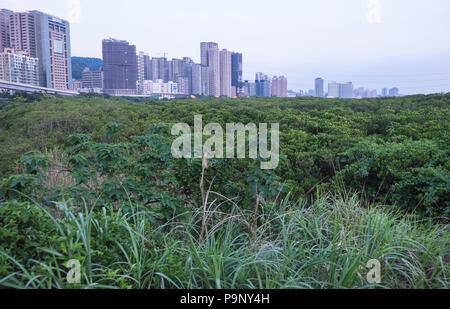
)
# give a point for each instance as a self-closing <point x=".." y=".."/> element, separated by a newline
<point x="374" y="43"/>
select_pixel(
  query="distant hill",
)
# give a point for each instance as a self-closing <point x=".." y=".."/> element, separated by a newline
<point x="79" y="63"/>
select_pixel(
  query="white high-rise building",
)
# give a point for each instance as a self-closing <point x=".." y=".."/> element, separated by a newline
<point x="333" y="90"/>
<point x="141" y="63"/>
<point x="318" y="87"/>
<point x="214" y="72"/>
<point x="336" y="90"/>
<point x="210" y="58"/>
<point x="346" y="90"/>
<point x="225" y="73"/>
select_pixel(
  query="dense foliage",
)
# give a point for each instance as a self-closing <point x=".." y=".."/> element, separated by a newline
<point x="392" y="150"/>
<point x="92" y="178"/>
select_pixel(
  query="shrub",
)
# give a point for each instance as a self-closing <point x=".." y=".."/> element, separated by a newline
<point x="413" y="174"/>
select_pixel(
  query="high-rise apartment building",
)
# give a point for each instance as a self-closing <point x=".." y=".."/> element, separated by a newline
<point x="249" y="89"/>
<point x="205" y="80"/>
<point x="204" y="47"/>
<point x="4" y="29"/>
<point x="187" y="72"/>
<point x="53" y="51"/>
<point x="199" y="79"/>
<point x="183" y="85"/>
<point x="336" y="90"/>
<point x="120" y="67"/>
<point x="263" y="88"/>
<point x="333" y="90"/>
<point x="346" y="90"/>
<point x="159" y="69"/>
<point x="17" y="67"/>
<point x="214" y="72"/>
<point x="393" y="92"/>
<point x="46" y="37"/>
<point x="225" y="73"/>
<point x="279" y="87"/>
<point x="263" y="85"/>
<point x="209" y="54"/>
<point x="147" y="67"/>
<point x="196" y="79"/>
<point x="142" y="67"/>
<point x="237" y="72"/>
<point x="176" y="69"/>
<point x="363" y="93"/>
<point x="319" y="89"/>
<point x="23" y="33"/>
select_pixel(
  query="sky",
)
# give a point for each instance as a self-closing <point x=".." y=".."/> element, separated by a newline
<point x="373" y="43"/>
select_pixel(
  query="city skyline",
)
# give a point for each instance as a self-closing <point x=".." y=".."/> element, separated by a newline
<point x="398" y="50"/>
<point x="127" y="71"/>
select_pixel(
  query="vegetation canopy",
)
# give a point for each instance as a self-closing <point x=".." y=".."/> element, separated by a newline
<point x="92" y="178"/>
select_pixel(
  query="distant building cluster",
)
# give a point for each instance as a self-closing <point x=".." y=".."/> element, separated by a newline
<point x="264" y="86"/>
<point x="35" y="49"/>
<point x="219" y="74"/>
<point x="339" y="90"/>
<point x="343" y="90"/>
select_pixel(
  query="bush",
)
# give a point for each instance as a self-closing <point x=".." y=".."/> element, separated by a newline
<point x="25" y="230"/>
<point x="413" y="175"/>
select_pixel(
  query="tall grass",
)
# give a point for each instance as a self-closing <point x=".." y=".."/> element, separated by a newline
<point x="324" y="245"/>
